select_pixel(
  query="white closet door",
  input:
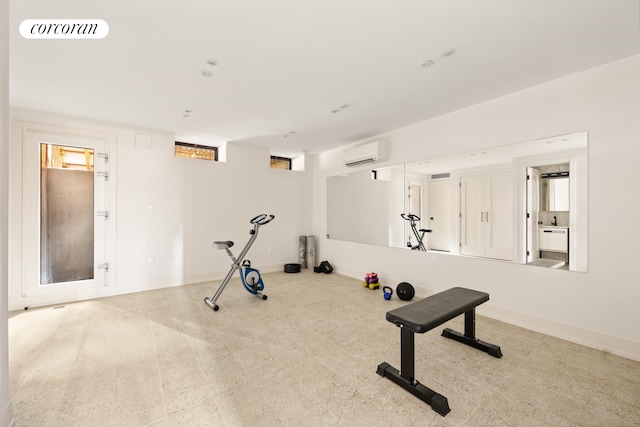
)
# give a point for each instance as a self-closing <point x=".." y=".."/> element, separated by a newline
<point x="472" y="233"/>
<point x="498" y="216"/>
<point x="486" y="215"/>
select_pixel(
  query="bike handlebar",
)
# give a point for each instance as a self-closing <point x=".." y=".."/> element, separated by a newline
<point x="410" y="217"/>
<point x="262" y="219"/>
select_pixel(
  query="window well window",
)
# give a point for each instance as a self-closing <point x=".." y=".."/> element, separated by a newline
<point x="280" y="163"/>
<point x="195" y="151"/>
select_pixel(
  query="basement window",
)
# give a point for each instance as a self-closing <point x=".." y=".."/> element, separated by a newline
<point x="59" y="157"/>
<point x="280" y="163"/>
<point x="195" y="151"/>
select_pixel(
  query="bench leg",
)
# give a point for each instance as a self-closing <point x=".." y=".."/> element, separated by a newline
<point x="405" y="379"/>
<point x="407" y="354"/>
<point x="469" y="337"/>
<point x="437" y="401"/>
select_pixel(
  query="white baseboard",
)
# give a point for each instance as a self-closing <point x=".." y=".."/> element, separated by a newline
<point x="124" y="288"/>
<point x="190" y="280"/>
<point x="7" y="420"/>
<point x="593" y="339"/>
<point x="611" y="344"/>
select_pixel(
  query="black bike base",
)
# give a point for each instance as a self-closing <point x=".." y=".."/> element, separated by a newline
<point x="492" y="349"/>
<point x="437" y="401"/>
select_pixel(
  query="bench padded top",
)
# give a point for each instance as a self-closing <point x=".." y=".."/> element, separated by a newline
<point x="424" y="315"/>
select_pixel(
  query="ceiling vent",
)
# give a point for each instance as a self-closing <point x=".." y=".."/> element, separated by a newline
<point x="440" y="176"/>
<point x="370" y="152"/>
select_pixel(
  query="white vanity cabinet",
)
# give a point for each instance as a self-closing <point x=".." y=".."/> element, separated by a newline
<point x="553" y="239"/>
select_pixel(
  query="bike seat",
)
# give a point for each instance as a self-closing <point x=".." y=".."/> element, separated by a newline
<point x="223" y="245"/>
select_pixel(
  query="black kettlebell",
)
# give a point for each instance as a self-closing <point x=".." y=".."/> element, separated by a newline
<point x="387" y="292"/>
<point x="405" y="291"/>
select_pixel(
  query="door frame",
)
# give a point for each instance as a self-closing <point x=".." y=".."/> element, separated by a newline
<point x="25" y="291"/>
<point x="578" y="214"/>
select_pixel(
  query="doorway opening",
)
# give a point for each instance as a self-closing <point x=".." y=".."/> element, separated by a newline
<point x="548" y="215"/>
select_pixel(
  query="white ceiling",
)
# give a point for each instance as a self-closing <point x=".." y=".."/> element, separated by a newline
<point x="284" y="65"/>
<point x="502" y="154"/>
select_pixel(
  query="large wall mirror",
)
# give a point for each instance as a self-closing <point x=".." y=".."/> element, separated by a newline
<point x="524" y="203"/>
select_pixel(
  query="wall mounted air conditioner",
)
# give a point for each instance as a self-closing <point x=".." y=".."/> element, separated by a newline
<point x="363" y="154"/>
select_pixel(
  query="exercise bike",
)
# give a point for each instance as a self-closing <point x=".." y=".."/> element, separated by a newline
<point x="418" y="233"/>
<point x="250" y="277"/>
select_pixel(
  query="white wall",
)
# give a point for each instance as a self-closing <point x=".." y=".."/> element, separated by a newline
<point x="5" y="403"/>
<point x="166" y="211"/>
<point x="598" y="308"/>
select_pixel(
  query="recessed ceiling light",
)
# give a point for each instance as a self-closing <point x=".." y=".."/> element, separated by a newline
<point x="340" y="108"/>
<point x="212" y="62"/>
<point x="427" y="63"/>
<point x="448" y="53"/>
<point x="206" y="73"/>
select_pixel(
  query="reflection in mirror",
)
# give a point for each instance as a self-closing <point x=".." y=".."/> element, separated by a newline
<point x="558" y="194"/>
<point x="362" y="206"/>
<point x="554" y="191"/>
<point x="506" y="203"/>
<point x="414" y="220"/>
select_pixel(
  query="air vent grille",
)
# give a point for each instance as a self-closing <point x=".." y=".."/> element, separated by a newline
<point x="440" y="176"/>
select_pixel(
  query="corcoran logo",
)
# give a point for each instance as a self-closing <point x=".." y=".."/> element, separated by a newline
<point x="64" y="29"/>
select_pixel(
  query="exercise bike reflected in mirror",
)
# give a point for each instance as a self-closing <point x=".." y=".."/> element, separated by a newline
<point x="418" y="233"/>
<point x="250" y="277"/>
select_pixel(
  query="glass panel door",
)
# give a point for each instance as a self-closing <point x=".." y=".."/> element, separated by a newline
<point x="64" y="214"/>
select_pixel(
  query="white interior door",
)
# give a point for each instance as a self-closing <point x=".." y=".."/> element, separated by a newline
<point x="415" y="199"/>
<point x="472" y="215"/>
<point x="486" y="215"/>
<point x="498" y="216"/>
<point x="533" y="209"/>
<point x="439" y="215"/>
<point x="414" y="207"/>
<point x="64" y="214"/>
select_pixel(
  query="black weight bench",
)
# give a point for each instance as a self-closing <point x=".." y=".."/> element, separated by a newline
<point x="424" y="315"/>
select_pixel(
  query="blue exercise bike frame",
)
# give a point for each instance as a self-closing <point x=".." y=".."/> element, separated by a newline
<point x="250" y="277"/>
